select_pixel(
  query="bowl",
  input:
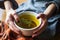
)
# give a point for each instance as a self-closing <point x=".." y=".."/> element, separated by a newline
<point x="28" y="31"/>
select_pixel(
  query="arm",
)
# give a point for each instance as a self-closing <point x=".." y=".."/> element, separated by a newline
<point x="11" y="16"/>
<point x="14" y="4"/>
<point x="8" y="5"/>
<point x="53" y="6"/>
<point x="49" y="10"/>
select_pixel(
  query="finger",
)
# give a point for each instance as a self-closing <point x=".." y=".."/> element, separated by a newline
<point x="13" y="27"/>
<point x="14" y="14"/>
<point x="43" y="23"/>
<point x="9" y="18"/>
<point x="43" y="16"/>
<point x="34" y="35"/>
<point x="40" y="29"/>
<point x="14" y="30"/>
<point x="16" y="17"/>
<point x="1" y="30"/>
<point x="38" y="16"/>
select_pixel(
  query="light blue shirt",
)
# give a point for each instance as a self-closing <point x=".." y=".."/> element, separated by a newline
<point x="39" y="6"/>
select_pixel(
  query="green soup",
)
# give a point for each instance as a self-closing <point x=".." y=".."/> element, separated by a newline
<point x="27" y="21"/>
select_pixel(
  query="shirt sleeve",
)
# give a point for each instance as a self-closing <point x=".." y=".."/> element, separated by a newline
<point x="56" y="2"/>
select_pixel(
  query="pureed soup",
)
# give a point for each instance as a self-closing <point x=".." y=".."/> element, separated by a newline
<point x="27" y="21"/>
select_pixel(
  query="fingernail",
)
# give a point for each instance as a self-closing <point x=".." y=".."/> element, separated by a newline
<point x="18" y="21"/>
<point x="33" y="36"/>
<point x="38" y="17"/>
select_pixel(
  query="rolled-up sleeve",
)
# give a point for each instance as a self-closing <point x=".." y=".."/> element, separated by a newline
<point x="56" y="2"/>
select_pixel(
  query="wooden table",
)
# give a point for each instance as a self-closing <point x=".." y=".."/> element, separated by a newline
<point x="20" y="1"/>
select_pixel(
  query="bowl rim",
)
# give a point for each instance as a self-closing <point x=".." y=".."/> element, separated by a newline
<point x="40" y="21"/>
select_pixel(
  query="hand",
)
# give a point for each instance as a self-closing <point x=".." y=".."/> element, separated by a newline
<point x="43" y="25"/>
<point x="10" y="18"/>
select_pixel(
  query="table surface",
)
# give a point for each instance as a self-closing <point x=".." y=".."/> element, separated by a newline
<point x="20" y="1"/>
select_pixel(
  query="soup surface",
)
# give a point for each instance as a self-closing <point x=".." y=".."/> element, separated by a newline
<point x="27" y="21"/>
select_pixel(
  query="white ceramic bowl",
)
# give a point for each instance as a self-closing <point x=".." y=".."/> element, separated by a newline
<point x="28" y="32"/>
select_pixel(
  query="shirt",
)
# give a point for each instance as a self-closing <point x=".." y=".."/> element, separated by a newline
<point x="1" y="0"/>
<point x="39" y="6"/>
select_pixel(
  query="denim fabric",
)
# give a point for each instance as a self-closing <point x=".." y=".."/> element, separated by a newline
<point x="39" y="6"/>
<point x="1" y="0"/>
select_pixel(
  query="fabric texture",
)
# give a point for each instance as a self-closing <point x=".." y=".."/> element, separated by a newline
<point x="39" y="6"/>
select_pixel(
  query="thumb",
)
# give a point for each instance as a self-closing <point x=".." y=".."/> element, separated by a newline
<point x="9" y="18"/>
<point x="16" y="17"/>
<point x="14" y="14"/>
<point x="41" y="15"/>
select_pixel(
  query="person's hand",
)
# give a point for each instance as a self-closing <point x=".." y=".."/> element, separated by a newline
<point x="43" y="25"/>
<point x="11" y="17"/>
